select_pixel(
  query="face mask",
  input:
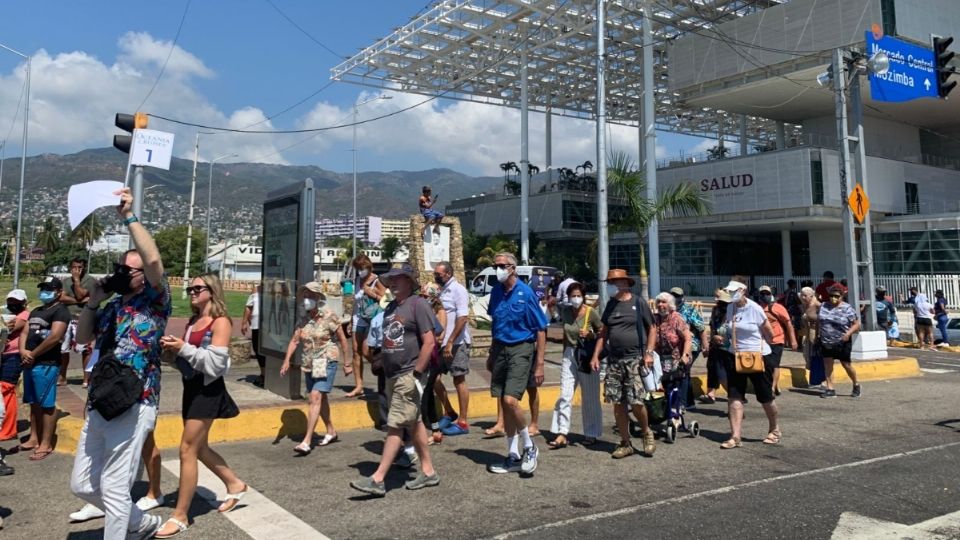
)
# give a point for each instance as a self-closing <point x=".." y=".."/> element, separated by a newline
<point x="576" y="301"/>
<point x="737" y="296"/>
<point x="502" y="274"/>
<point x="364" y="273"/>
<point x="881" y="297"/>
<point x="678" y="300"/>
<point x="612" y="290"/>
<point x="309" y="304"/>
<point x="438" y="279"/>
<point x="48" y="296"/>
<point x="15" y="308"/>
<point x="118" y="283"/>
<point x="765" y="298"/>
<point x="834" y="300"/>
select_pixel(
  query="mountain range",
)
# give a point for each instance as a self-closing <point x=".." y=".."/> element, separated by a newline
<point x="391" y="194"/>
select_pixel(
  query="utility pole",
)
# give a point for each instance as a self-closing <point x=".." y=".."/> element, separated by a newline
<point x="603" y="238"/>
<point x="193" y="193"/>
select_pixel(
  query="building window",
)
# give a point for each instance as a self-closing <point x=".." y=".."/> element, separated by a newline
<point x="686" y="258"/>
<point x="816" y="179"/>
<point x="917" y="252"/>
<point x="579" y="215"/>
<point x="912" y="197"/>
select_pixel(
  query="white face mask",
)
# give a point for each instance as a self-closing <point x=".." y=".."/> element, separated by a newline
<point x="612" y="290"/>
<point x="737" y="296"/>
<point x="576" y="301"/>
<point x="364" y="273"/>
<point x="309" y="304"/>
<point x="502" y="274"/>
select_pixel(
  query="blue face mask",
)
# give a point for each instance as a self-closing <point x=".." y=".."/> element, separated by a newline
<point x="48" y="296"/>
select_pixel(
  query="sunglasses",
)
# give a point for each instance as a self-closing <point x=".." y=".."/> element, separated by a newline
<point x="502" y="266"/>
<point x="197" y="289"/>
<point x="124" y="269"/>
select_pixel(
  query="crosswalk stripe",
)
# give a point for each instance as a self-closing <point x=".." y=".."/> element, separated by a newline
<point x="260" y="518"/>
<point x="937" y="371"/>
<point x="942" y="364"/>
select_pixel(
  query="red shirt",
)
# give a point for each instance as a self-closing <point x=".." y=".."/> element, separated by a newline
<point x="823" y="289"/>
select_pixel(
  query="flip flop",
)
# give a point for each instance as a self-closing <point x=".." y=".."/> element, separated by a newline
<point x="354" y="393"/>
<point x="231" y="501"/>
<point x="491" y="433"/>
<point x="302" y="449"/>
<point x="329" y="439"/>
<point x="589" y="441"/>
<point x="181" y="527"/>
<point x="40" y="455"/>
<point x="22" y="448"/>
<point x="554" y="445"/>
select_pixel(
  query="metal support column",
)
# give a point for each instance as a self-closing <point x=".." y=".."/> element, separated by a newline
<point x="781" y="135"/>
<point x="137" y="196"/>
<point x="841" y="60"/>
<point x="524" y="163"/>
<point x="862" y="232"/>
<point x="743" y="134"/>
<point x="787" y="256"/>
<point x="603" y="233"/>
<point x="548" y="136"/>
<point x="193" y="194"/>
<point x="650" y="151"/>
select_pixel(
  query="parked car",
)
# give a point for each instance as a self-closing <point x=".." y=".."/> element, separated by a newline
<point x="953" y="331"/>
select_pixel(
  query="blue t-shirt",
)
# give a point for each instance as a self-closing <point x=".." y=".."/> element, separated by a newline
<point x="516" y="315"/>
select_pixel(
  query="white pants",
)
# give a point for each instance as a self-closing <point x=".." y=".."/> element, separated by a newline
<point x="108" y="455"/>
<point x="592" y="412"/>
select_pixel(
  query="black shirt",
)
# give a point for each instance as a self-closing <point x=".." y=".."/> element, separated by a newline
<point x="39" y="326"/>
<point x="623" y="339"/>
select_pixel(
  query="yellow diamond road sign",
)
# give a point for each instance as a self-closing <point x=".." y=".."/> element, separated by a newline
<point x="859" y="203"/>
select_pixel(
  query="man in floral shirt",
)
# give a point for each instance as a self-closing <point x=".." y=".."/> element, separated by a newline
<point x="698" y="333"/>
<point x="129" y="327"/>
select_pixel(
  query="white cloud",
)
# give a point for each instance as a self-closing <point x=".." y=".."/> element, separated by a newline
<point x="139" y="49"/>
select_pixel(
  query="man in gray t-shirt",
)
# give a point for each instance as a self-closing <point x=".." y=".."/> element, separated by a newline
<point x="408" y="342"/>
<point x="74" y="295"/>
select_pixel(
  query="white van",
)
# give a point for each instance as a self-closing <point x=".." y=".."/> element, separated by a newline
<point x="540" y="278"/>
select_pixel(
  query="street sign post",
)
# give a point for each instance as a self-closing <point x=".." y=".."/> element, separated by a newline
<point x="911" y="75"/>
<point x="859" y="203"/>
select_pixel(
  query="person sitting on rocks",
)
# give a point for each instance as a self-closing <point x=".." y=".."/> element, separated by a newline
<point x="430" y="216"/>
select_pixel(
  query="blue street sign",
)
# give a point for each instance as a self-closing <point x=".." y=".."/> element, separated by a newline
<point x="911" y="74"/>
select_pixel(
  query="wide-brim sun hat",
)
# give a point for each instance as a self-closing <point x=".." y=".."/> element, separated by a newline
<point x="402" y="269"/>
<point x="721" y="295"/>
<point x="315" y="287"/>
<point x="619" y="273"/>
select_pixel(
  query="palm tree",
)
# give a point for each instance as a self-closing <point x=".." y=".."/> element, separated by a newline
<point x="628" y="183"/>
<point x="49" y="239"/>
<point x="390" y="246"/>
<point x="87" y="232"/>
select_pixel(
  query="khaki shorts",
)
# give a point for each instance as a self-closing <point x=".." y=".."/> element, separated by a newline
<point x="403" y="400"/>
<point x="512" y="366"/>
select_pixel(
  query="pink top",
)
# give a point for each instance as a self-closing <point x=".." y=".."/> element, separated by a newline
<point x="13" y="341"/>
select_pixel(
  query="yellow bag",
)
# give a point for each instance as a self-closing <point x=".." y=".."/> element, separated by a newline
<point x="746" y="362"/>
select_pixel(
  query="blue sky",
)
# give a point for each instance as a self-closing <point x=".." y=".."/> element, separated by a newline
<point x="237" y="63"/>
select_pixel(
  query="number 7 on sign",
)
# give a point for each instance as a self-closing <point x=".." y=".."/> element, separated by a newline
<point x="149" y="155"/>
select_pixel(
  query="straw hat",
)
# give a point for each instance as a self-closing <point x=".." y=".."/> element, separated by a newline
<point x="619" y="273"/>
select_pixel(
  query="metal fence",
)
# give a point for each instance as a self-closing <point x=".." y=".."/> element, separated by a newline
<point x="897" y="285"/>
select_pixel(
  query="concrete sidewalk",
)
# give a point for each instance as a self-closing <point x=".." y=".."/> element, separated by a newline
<point x="267" y="415"/>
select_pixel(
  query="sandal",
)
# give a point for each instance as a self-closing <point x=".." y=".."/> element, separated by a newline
<point x="773" y="437"/>
<point x="491" y="433"/>
<point x="589" y="441"/>
<point x="731" y="443"/>
<point x="302" y="449"/>
<point x="329" y="439"/>
<point x="559" y="442"/>
<point x="181" y="527"/>
<point x="231" y="501"/>
<point x="354" y="393"/>
<point x="707" y="399"/>
<point x="40" y="455"/>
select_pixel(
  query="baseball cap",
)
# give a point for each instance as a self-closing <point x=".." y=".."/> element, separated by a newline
<point x="765" y="288"/>
<point x="18" y="294"/>
<point x="50" y="282"/>
<point x="735" y="286"/>
<point x="676" y="291"/>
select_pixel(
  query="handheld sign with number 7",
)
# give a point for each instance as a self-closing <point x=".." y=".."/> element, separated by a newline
<point x="151" y="148"/>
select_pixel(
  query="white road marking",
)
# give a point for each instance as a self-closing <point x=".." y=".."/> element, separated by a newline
<point x="718" y="491"/>
<point x="853" y="526"/>
<point x="943" y="364"/>
<point x="260" y="518"/>
<point x="937" y="371"/>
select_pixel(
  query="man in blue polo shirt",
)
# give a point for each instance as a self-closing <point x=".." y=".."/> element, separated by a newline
<point x="519" y="332"/>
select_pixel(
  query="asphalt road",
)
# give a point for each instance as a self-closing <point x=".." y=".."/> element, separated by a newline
<point x="892" y="455"/>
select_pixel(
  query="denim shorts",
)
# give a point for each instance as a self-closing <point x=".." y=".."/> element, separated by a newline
<point x="40" y="385"/>
<point x="323" y="384"/>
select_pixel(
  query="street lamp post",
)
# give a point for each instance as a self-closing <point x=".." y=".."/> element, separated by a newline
<point x="210" y="202"/>
<point x="356" y="111"/>
<point x="23" y="164"/>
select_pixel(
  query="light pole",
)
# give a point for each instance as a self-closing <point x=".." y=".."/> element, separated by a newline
<point x="210" y="202"/>
<point x="356" y="111"/>
<point x="23" y="164"/>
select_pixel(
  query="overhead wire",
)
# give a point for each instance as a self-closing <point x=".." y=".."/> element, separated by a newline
<point x="173" y="47"/>
<point x="303" y="31"/>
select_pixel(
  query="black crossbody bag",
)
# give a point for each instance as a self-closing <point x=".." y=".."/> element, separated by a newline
<point x="114" y="386"/>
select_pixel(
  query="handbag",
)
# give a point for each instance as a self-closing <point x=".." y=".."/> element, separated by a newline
<point x="585" y="347"/>
<point x="368" y="306"/>
<point x="746" y="362"/>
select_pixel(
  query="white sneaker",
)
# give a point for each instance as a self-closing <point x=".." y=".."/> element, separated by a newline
<point x="146" y="504"/>
<point x="86" y="513"/>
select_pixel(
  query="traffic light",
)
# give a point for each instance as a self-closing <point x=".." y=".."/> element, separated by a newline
<point x="942" y="57"/>
<point x="128" y="122"/>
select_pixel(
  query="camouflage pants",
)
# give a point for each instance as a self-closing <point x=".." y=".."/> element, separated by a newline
<point x="623" y="384"/>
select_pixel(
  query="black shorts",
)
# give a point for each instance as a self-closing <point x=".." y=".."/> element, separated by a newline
<point x="923" y="322"/>
<point x="773" y="359"/>
<point x="837" y="351"/>
<point x="737" y="382"/>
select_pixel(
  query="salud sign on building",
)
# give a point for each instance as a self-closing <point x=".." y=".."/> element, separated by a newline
<point x="911" y="74"/>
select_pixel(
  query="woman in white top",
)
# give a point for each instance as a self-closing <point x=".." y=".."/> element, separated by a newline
<point x="749" y="331"/>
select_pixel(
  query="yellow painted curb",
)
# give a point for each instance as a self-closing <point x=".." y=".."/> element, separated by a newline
<point x="279" y="422"/>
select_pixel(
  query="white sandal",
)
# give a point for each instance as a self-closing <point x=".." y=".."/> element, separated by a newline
<point x="181" y="527"/>
<point x="232" y="500"/>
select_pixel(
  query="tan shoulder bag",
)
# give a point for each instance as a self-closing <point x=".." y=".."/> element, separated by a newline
<point x="746" y="362"/>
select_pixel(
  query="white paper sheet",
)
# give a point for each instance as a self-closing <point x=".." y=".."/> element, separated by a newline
<point x="83" y="199"/>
